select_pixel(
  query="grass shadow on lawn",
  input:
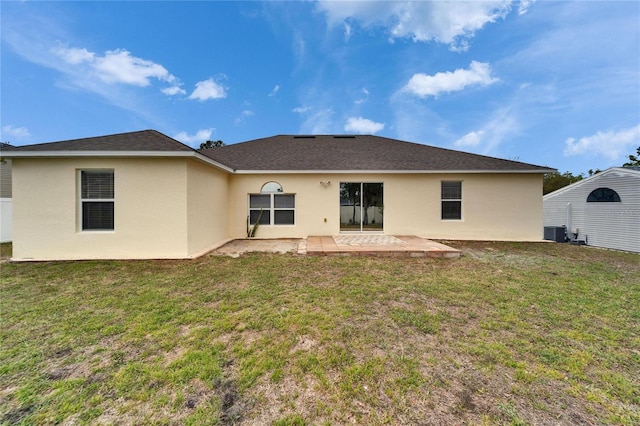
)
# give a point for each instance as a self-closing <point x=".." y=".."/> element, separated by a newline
<point x="511" y="333"/>
<point x="5" y="250"/>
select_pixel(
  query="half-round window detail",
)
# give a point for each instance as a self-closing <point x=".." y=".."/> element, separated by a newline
<point x="603" y="195"/>
<point x="271" y="187"/>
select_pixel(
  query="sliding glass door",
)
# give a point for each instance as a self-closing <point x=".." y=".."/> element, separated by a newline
<point x="361" y="207"/>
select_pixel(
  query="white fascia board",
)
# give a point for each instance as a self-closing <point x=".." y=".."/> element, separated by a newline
<point x="116" y="154"/>
<point x="265" y="172"/>
<point x="67" y="154"/>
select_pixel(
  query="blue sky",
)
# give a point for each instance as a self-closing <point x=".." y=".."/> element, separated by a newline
<point x="549" y="83"/>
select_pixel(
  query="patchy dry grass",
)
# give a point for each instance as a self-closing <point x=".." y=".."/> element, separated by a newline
<point x="5" y="250"/>
<point x="509" y="334"/>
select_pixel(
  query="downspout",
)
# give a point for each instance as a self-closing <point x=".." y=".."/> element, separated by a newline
<point x="568" y="221"/>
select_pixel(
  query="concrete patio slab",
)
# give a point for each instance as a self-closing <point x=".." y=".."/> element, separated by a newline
<point x="342" y="245"/>
<point x="236" y="248"/>
<point x="379" y="245"/>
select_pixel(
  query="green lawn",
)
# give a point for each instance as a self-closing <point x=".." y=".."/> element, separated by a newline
<point x="508" y="334"/>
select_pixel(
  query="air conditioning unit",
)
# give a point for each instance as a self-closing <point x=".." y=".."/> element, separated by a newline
<point x="555" y="233"/>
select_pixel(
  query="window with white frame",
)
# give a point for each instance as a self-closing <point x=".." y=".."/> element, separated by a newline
<point x="97" y="200"/>
<point x="451" y="197"/>
<point x="271" y="206"/>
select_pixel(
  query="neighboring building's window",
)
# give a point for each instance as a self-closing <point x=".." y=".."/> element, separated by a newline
<point x="451" y="200"/>
<point x="272" y="206"/>
<point x="96" y="200"/>
<point x="603" y="195"/>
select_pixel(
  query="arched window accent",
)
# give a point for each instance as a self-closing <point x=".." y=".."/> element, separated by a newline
<point x="603" y="195"/>
<point x="271" y="187"/>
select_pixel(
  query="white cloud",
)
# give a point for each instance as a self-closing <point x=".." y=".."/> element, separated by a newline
<point x="470" y="139"/>
<point x="502" y="126"/>
<point x="116" y="66"/>
<point x="208" y="89"/>
<point x="319" y="121"/>
<point x="74" y="55"/>
<point x="363" y="99"/>
<point x="445" y="22"/>
<point x="76" y="66"/>
<point x="414" y="121"/>
<point x="612" y="145"/>
<point x="244" y="114"/>
<point x="524" y="6"/>
<point x="202" y="135"/>
<point x="15" y="132"/>
<point x="301" y="109"/>
<point x="275" y="90"/>
<point x="424" y="85"/>
<point x="347" y="31"/>
<point x="362" y="125"/>
<point x="173" y="90"/>
<point x="299" y="45"/>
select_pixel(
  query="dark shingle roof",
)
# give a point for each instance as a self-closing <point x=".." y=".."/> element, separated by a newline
<point x="6" y="146"/>
<point x="145" y="140"/>
<point x="294" y="153"/>
<point x="361" y="152"/>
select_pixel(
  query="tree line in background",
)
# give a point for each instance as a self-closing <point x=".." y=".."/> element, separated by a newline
<point x="210" y="144"/>
<point x="557" y="180"/>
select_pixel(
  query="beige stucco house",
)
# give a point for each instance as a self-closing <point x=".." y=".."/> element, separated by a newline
<point x="145" y="195"/>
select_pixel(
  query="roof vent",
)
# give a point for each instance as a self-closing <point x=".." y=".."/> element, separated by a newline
<point x="304" y="137"/>
<point x="344" y="136"/>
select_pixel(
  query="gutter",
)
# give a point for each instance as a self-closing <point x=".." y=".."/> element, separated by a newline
<point x="256" y="172"/>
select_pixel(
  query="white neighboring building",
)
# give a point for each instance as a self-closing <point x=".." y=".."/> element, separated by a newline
<point x="603" y="209"/>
